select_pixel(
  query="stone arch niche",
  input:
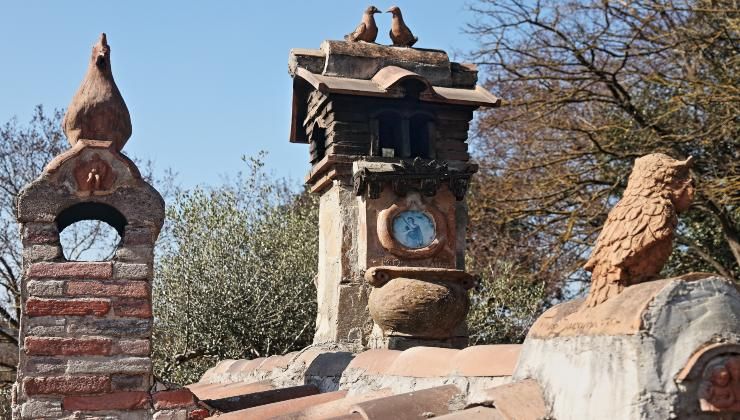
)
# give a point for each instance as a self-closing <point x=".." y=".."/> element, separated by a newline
<point x="91" y="181"/>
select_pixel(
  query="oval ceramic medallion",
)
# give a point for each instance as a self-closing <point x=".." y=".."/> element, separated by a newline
<point x="413" y="229"/>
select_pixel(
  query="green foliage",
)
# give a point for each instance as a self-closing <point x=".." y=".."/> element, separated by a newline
<point x="235" y="275"/>
<point x="504" y="306"/>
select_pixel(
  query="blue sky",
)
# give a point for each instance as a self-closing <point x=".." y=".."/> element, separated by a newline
<point x="205" y="82"/>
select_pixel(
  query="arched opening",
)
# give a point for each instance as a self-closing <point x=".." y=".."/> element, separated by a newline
<point x="90" y="231"/>
<point x="318" y="143"/>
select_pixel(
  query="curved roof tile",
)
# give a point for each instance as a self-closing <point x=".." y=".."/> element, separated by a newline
<point x="389" y="76"/>
<point x="423" y="362"/>
<point x="374" y="361"/>
<point x="487" y="360"/>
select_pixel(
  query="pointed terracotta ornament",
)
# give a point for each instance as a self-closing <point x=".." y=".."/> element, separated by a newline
<point x="97" y="111"/>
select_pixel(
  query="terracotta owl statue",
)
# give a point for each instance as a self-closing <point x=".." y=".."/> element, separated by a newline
<point x="637" y="237"/>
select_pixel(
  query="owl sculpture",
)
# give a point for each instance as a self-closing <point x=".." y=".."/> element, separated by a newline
<point x="637" y="237"/>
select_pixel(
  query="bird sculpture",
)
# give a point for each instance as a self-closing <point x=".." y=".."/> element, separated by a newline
<point x="367" y="30"/>
<point x="400" y="33"/>
<point x="97" y="111"/>
<point x="637" y="237"/>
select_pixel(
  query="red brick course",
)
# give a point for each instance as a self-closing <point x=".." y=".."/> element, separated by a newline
<point x="58" y="346"/>
<point x="66" y="307"/>
<point x="134" y="308"/>
<point x="116" y="401"/>
<point x="173" y="399"/>
<point x="131" y="289"/>
<point x="91" y="270"/>
<point x="199" y="414"/>
<point x="67" y="385"/>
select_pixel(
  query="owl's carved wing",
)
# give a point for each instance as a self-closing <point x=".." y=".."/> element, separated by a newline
<point x="634" y="224"/>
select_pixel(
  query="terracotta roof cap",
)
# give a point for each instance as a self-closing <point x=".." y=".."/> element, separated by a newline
<point x="414" y="405"/>
<point x="521" y="400"/>
<point x="279" y="408"/>
<point x="389" y="76"/>
<point x="374" y="361"/>
<point x="488" y="360"/>
<point x="423" y="362"/>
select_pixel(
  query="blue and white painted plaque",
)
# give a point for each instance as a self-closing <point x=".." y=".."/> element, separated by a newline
<point x="413" y="229"/>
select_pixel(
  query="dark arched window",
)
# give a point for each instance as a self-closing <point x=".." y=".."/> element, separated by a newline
<point x="318" y="143"/>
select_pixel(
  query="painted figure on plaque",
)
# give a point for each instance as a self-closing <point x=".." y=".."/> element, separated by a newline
<point x="413" y="229"/>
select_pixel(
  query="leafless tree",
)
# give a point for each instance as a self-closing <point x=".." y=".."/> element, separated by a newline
<point x="588" y="86"/>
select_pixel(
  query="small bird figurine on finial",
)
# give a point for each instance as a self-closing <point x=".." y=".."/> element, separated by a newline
<point x="400" y="33"/>
<point x="637" y="237"/>
<point x="367" y="30"/>
<point x="97" y="111"/>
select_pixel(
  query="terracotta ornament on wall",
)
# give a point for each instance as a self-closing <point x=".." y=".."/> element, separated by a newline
<point x="720" y="388"/>
<point x="636" y="240"/>
<point x="94" y="175"/>
<point x="412" y="229"/>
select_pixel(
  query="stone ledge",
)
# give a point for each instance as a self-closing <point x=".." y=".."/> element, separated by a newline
<point x="621" y="315"/>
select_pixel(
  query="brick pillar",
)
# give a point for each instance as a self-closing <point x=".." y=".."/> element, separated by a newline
<point x="85" y="333"/>
<point x="86" y="326"/>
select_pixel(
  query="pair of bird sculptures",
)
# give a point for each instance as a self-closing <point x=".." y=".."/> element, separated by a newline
<point x="367" y="30"/>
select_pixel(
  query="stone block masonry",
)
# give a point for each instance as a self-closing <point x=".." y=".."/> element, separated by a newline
<point x="85" y="335"/>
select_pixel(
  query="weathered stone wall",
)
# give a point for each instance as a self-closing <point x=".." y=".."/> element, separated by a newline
<point x="341" y="290"/>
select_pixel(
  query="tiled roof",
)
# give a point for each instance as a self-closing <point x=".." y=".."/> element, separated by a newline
<point x="321" y="383"/>
<point x="383" y="83"/>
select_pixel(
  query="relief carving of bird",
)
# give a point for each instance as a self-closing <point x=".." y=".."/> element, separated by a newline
<point x="637" y="237"/>
<point x="97" y="111"/>
<point x="400" y="33"/>
<point x="367" y="30"/>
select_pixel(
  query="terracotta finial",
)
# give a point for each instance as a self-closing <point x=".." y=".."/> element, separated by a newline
<point x="367" y="30"/>
<point x="400" y="33"/>
<point x="637" y="237"/>
<point x="97" y="111"/>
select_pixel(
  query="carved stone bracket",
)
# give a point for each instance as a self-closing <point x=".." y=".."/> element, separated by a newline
<point x="417" y="175"/>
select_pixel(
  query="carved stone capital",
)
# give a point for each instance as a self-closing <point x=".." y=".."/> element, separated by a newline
<point x="424" y="176"/>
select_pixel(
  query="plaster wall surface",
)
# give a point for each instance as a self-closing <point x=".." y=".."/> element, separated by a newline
<point x="633" y="375"/>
